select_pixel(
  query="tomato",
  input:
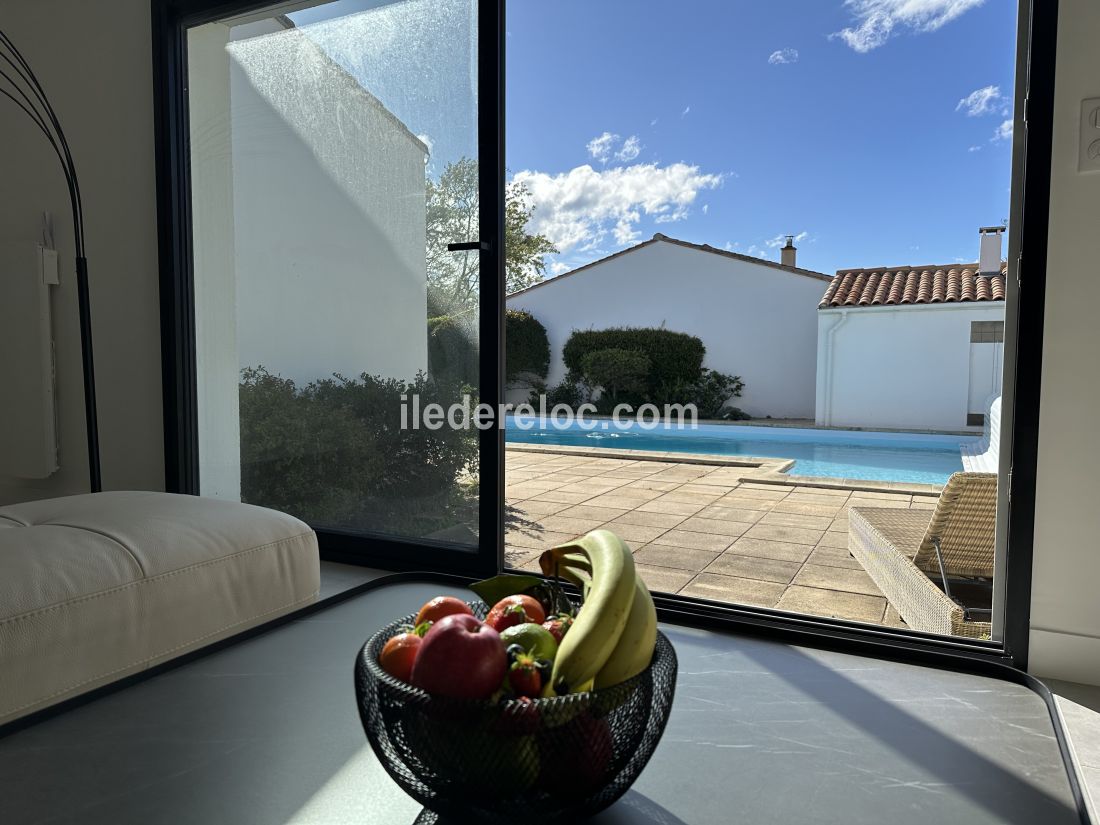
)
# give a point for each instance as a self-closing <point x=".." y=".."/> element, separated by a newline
<point x="398" y="655"/>
<point x="505" y="613"/>
<point x="440" y="607"/>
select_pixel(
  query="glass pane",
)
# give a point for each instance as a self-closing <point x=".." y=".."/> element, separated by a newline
<point x="333" y="158"/>
<point x="754" y="225"/>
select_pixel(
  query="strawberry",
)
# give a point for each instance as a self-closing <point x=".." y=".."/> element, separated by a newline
<point x="558" y="625"/>
<point x="504" y="616"/>
<point x="524" y="676"/>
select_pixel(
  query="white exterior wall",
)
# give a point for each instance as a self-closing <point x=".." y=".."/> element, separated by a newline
<point x="329" y="218"/>
<point x="309" y="227"/>
<point x="902" y="367"/>
<point x="755" y="320"/>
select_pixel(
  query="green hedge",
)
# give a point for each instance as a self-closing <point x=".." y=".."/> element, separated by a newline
<point x="526" y="346"/>
<point x="452" y="350"/>
<point x="334" y="454"/>
<point x="675" y="358"/>
<point x="618" y="371"/>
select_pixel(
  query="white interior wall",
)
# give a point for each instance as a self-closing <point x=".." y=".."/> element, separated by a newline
<point x="94" y="61"/>
<point x="756" y="321"/>
<point x="919" y="379"/>
<point x="1065" y="604"/>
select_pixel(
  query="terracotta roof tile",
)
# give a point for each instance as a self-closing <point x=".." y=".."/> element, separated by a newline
<point x="954" y="283"/>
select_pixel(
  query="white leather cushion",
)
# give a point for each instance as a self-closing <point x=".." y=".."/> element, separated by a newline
<point x="96" y="587"/>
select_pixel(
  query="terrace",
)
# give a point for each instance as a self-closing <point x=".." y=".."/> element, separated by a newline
<point x="705" y="529"/>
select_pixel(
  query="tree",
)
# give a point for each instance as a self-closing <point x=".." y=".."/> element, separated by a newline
<point x="452" y="216"/>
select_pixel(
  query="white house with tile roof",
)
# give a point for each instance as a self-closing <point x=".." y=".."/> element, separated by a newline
<point x="909" y="347"/>
<point x="755" y="317"/>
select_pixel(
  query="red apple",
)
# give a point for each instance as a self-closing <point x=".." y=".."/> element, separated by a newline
<point x="460" y="657"/>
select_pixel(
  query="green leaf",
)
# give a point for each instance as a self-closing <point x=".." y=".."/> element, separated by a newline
<point x="493" y="590"/>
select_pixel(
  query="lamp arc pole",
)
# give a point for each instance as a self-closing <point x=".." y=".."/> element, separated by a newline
<point x="20" y="86"/>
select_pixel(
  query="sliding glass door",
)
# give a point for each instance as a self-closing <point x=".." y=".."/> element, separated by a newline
<point x="342" y="264"/>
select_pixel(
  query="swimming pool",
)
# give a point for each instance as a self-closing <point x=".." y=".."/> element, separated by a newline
<point x="871" y="456"/>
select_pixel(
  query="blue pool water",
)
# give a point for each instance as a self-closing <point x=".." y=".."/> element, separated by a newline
<point x="872" y="456"/>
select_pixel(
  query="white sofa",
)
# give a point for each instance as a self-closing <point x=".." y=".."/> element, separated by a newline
<point x="96" y="587"/>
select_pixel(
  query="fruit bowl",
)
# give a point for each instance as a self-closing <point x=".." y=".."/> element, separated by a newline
<point x="540" y="760"/>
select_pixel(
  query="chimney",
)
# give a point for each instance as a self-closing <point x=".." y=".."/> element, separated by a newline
<point x="787" y="253"/>
<point x="989" y="258"/>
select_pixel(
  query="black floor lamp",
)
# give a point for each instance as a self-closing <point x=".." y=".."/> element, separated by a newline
<point x="24" y="90"/>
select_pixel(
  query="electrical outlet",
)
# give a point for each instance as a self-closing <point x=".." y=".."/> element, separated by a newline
<point x="1088" y="157"/>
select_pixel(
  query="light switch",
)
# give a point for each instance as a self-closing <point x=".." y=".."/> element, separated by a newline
<point x="1088" y="153"/>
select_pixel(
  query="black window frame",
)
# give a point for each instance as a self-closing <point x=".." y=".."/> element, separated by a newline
<point x="1038" y="22"/>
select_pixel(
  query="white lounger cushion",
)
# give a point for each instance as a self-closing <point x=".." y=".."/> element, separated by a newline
<point x="96" y="587"/>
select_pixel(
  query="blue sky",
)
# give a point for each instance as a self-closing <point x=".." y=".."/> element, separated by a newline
<point x="876" y="131"/>
<point x="859" y="140"/>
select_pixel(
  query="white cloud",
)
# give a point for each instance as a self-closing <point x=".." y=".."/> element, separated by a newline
<point x="630" y="149"/>
<point x="974" y="149"/>
<point x="984" y="101"/>
<point x="427" y="141"/>
<point x="558" y="267"/>
<point x="1004" y="132"/>
<point x="780" y="240"/>
<point x="706" y="207"/>
<point x="576" y="209"/>
<point x="876" y="21"/>
<point x="685" y="112"/>
<point x="783" y="56"/>
<point x="601" y="147"/>
<point x="653" y="122"/>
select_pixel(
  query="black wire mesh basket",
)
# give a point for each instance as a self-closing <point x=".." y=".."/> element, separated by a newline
<point x="543" y="760"/>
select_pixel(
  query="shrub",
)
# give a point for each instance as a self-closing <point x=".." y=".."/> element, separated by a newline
<point x="675" y="358"/>
<point x="526" y="346"/>
<point x="572" y="391"/>
<point x="453" y="350"/>
<point x="334" y="454"/>
<point x="713" y="390"/>
<point x="618" y="371"/>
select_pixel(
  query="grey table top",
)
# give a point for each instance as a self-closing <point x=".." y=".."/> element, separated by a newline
<point x="267" y="731"/>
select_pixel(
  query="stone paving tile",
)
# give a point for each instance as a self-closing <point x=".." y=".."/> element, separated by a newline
<point x="665" y="520"/>
<point x="565" y="524"/>
<point x="633" y="532"/>
<point x="616" y="501"/>
<point x="734" y="589"/>
<point x="567" y="495"/>
<point x="515" y="556"/>
<point x="818" y="602"/>
<point x="726" y="513"/>
<point x="782" y="550"/>
<point x="822" y="510"/>
<point x="796" y="520"/>
<point x="701" y="530"/>
<point x="777" y="532"/>
<point x="743" y="503"/>
<point x="588" y="511"/>
<point x="833" y="557"/>
<point x="821" y="491"/>
<point x="682" y="558"/>
<point x="834" y="539"/>
<point x="538" y="507"/>
<point x="543" y="540"/>
<point x="836" y="578"/>
<point x="810" y="498"/>
<point x="677" y="508"/>
<point x="719" y="527"/>
<point x="663" y="579"/>
<point x="698" y="541"/>
<point x="764" y="493"/>
<point x="750" y="567"/>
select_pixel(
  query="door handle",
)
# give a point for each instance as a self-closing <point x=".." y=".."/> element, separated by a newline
<point x="465" y="246"/>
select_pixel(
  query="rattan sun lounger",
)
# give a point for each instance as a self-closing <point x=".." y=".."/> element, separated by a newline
<point x="904" y="550"/>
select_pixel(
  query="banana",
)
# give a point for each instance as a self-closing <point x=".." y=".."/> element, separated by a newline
<point x="634" y="651"/>
<point x="594" y="634"/>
